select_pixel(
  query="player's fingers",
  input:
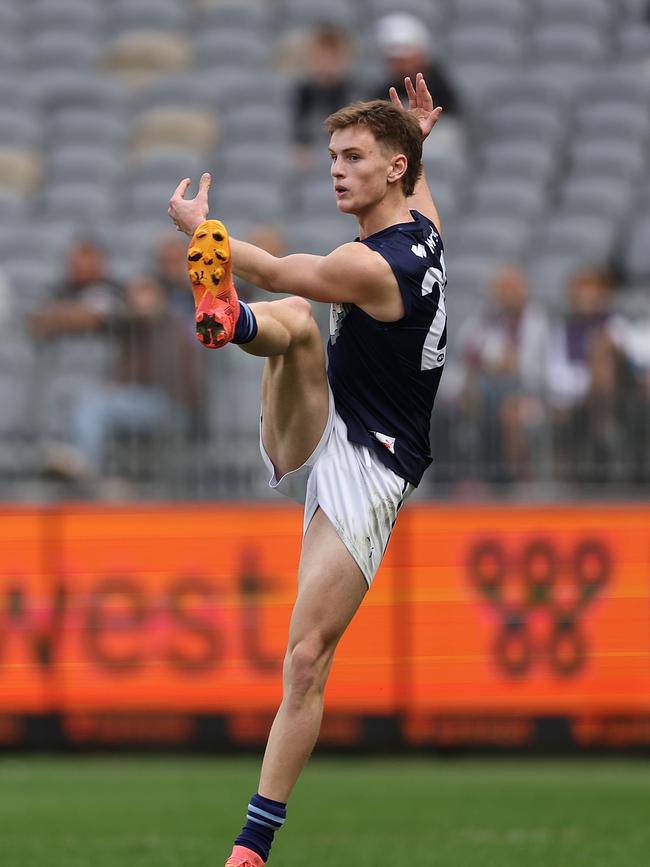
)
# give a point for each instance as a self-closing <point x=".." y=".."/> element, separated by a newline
<point x="410" y="92"/>
<point x="204" y="183"/>
<point x="394" y="97"/>
<point x="424" y="97"/>
<point x="181" y="189"/>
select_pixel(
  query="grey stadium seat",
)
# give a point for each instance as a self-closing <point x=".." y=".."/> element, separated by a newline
<point x="621" y="83"/>
<point x="475" y="80"/>
<point x="83" y="162"/>
<point x="145" y="14"/>
<point x="248" y="200"/>
<point x="19" y="127"/>
<point x="567" y="42"/>
<point x="480" y="43"/>
<point x="636" y="255"/>
<point x="524" y="121"/>
<point x="18" y="93"/>
<point x="78" y="201"/>
<point x="11" y="53"/>
<point x="251" y="16"/>
<point x="87" y="125"/>
<point x="500" y="238"/>
<point x="75" y="16"/>
<point x="62" y="50"/>
<point x="13" y="205"/>
<point x="166" y="165"/>
<point x="609" y="158"/>
<point x="593" y="195"/>
<point x="508" y="13"/>
<point x="517" y="198"/>
<point x="149" y="200"/>
<point x="177" y="89"/>
<point x="14" y="400"/>
<point x="300" y="13"/>
<point x="608" y="118"/>
<point x="230" y="48"/>
<point x="32" y="280"/>
<point x="633" y="42"/>
<point x="250" y="124"/>
<point x="585" y="237"/>
<point x="470" y="276"/>
<point x="254" y="160"/>
<point x="62" y="88"/>
<point x="11" y="19"/>
<point x="532" y="160"/>
<point x="597" y="13"/>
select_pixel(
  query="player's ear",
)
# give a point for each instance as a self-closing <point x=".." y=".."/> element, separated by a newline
<point x="398" y="167"/>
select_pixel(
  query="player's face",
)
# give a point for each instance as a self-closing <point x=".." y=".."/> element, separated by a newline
<point x="361" y="167"/>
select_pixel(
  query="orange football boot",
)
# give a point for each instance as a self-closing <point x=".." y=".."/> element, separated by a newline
<point x="243" y="857"/>
<point x="215" y="297"/>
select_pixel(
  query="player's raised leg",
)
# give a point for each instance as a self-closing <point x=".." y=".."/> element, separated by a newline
<point x="331" y="587"/>
<point x="295" y="395"/>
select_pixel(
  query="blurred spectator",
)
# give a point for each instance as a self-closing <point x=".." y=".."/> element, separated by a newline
<point x="504" y="348"/>
<point x="325" y="87"/>
<point x="154" y="390"/>
<point x="86" y="298"/>
<point x="170" y="270"/>
<point x="406" y="47"/>
<point x="589" y="312"/>
<point x="591" y="385"/>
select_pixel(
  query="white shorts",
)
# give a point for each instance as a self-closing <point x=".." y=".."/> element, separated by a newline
<point x="359" y="495"/>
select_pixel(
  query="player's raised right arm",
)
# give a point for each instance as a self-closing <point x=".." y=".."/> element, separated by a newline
<point x="422" y="107"/>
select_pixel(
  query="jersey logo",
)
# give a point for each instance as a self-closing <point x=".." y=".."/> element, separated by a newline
<point x="419" y="250"/>
<point x="338" y="312"/>
<point x="432" y="241"/>
<point x="385" y="440"/>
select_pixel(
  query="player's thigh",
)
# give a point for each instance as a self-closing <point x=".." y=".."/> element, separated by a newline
<point x="331" y="588"/>
<point x="295" y="393"/>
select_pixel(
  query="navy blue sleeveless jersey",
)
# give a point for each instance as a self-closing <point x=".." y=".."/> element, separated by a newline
<point x="385" y="375"/>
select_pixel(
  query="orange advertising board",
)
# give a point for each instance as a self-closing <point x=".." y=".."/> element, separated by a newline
<point x="478" y="612"/>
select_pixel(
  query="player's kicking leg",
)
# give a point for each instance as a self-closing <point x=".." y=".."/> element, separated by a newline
<point x="295" y="410"/>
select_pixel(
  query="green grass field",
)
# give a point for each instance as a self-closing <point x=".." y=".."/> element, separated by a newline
<point x="160" y="812"/>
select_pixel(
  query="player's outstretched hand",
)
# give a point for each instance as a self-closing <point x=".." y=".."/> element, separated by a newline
<point x="187" y="214"/>
<point x="420" y="103"/>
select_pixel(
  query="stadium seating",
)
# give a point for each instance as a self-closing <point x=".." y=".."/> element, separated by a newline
<point x="105" y="106"/>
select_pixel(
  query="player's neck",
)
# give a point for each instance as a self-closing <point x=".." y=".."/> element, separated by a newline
<point x="383" y="215"/>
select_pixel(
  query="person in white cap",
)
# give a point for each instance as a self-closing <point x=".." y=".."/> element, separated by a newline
<point x="407" y="47"/>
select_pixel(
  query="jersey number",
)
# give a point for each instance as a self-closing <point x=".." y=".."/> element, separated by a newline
<point x="434" y="350"/>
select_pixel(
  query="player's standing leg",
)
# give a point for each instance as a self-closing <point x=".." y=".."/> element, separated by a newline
<point x="331" y="586"/>
<point x="330" y="589"/>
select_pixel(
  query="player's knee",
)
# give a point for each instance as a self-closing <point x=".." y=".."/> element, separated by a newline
<point x="305" y="667"/>
<point x="303" y="324"/>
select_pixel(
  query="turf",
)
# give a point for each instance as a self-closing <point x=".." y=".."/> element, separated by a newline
<point x="176" y="812"/>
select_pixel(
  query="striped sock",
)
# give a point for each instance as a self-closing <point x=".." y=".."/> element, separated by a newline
<point x="263" y="818"/>
<point x="246" y="327"/>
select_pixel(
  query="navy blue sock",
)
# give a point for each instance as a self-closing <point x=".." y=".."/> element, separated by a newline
<point x="246" y="327"/>
<point x="263" y="818"/>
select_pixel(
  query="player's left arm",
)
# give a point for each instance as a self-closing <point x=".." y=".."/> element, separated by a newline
<point x="422" y="107"/>
<point x="352" y="273"/>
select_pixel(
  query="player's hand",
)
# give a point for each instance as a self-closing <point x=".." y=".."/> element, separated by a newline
<point x="188" y="214"/>
<point x="420" y="103"/>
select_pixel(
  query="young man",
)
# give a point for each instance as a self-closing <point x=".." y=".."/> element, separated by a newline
<point x="349" y="441"/>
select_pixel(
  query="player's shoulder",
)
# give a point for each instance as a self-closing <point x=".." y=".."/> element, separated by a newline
<point x="355" y="264"/>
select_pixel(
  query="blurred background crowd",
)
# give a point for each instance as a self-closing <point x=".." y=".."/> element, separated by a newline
<point x="539" y="167"/>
